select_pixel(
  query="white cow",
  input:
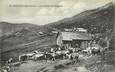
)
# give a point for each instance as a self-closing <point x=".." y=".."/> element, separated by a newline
<point x="58" y="52"/>
<point x="65" y="51"/>
<point x="87" y="50"/>
<point x="4" y="70"/>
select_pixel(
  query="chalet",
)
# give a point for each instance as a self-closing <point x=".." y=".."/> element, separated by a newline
<point x="74" y="39"/>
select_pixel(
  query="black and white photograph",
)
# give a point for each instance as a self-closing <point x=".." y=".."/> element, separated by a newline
<point x="57" y="36"/>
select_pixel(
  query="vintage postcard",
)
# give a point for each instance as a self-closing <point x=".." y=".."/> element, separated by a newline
<point x="57" y="35"/>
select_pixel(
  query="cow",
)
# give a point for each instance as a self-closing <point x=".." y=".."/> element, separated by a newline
<point x="6" y="69"/>
<point x="38" y="56"/>
<point x="65" y="51"/>
<point x="23" y="57"/>
<point x="60" y="56"/>
<point x="69" y="56"/>
<point x="95" y="50"/>
<point x="29" y="55"/>
<point x="53" y="56"/>
<point x="49" y="56"/>
<point x="58" y="52"/>
<point x="45" y="56"/>
<point x="87" y="50"/>
<point x="72" y="56"/>
<point x="3" y="70"/>
<point x="9" y="61"/>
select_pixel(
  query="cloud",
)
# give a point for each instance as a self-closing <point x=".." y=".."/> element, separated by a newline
<point x="80" y="6"/>
<point x="45" y="15"/>
<point x="72" y="7"/>
<point x="43" y="12"/>
<point x="40" y="20"/>
<point x="66" y="4"/>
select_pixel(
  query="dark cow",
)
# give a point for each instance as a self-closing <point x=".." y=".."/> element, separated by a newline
<point x="40" y="58"/>
<point x="95" y="51"/>
<point x="23" y="57"/>
<point x="49" y="57"/>
<point x="60" y="56"/>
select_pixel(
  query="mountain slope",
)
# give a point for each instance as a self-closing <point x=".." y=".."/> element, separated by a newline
<point x="25" y="38"/>
<point x="8" y="28"/>
<point x="97" y="20"/>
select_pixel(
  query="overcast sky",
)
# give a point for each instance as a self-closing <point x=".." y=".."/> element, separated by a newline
<point x="44" y="15"/>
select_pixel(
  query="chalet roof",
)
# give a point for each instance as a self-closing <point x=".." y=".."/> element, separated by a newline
<point x="75" y="36"/>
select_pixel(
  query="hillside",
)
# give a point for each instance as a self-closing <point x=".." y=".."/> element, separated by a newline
<point x="96" y="21"/>
<point x="9" y="28"/>
<point x="25" y="37"/>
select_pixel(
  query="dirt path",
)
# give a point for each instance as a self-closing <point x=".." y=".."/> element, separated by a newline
<point x="32" y="66"/>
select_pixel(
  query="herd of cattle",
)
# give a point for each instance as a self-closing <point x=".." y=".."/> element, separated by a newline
<point x="53" y="55"/>
<point x="70" y="53"/>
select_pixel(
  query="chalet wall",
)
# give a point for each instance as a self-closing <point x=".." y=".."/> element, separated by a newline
<point x="59" y="40"/>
